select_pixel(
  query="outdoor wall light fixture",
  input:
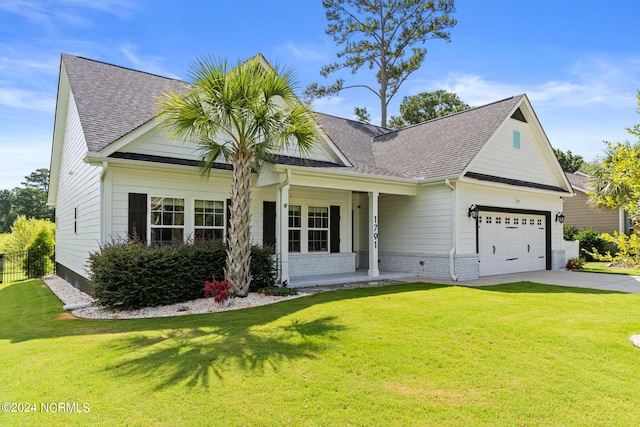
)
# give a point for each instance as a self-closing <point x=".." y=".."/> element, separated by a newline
<point x="560" y="217"/>
<point x="473" y="212"/>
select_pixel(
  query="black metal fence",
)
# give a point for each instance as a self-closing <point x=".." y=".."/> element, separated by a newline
<point x="26" y="264"/>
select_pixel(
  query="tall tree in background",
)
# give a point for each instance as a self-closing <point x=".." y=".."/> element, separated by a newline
<point x="570" y="162"/>
<point x="426" y="106"/>
<point x="29" y="201"/>
<point x="384" y="35"/>
<point x="7" y="214"/>
<point x="244" y="114"/>
<point x="38" y="179"/>
<point x="616" y="181"/>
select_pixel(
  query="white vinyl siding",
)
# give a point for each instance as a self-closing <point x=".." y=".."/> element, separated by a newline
<point x="156" y="143"/>
<point x="501" y="158"/>
<point x="419" y="223"/>
<point x="189" y="186"/>
<point x="78" y="199"/>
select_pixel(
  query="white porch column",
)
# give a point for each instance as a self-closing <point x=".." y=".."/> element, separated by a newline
<point x="373" y="234"/>
<point x="282" y="231"/>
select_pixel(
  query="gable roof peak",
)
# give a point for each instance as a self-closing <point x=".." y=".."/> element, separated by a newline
<point x="457" y="113"/>
<point x="112" y="100"/>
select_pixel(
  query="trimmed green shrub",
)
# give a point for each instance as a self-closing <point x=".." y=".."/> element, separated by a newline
<point x="263" y="268"/>
<point x="590" y="242"/>
<point x="278" y="291"/>
<point x="131" y="275"/>
<point x="570" y="232"/>
<point x="39" y="261"/>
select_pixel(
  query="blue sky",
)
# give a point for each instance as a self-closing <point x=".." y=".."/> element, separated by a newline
<point x="578" y="61"/>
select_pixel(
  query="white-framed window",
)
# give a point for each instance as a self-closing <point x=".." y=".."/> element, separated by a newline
<point x="208" y="219"/>
<point x="318" y="229"/>
<point x="167" y="220"/>
<point x="295" y="228"/>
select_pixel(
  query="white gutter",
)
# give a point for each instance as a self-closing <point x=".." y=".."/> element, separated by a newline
<point x="452" y="252"/>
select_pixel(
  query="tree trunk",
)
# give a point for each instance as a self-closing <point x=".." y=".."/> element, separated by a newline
<point x="238" y="265"/>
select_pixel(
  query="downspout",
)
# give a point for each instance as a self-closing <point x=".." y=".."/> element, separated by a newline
<point x="286" y="180"/>
<point x="452" y="252"/>
<point x="279" y="224"/>
<point x="103" y="204"/>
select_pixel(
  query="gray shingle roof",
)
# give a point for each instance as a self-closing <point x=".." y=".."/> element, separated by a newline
<point x="112" y="101"/>
<point x="355" y="139"/>
<point x="579" y="180"/>
<point x="444" y="146"/>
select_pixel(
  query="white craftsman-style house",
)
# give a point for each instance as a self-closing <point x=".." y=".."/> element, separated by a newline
<point x="472" y="194"/>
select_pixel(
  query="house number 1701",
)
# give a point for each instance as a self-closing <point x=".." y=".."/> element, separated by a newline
<point x="375" y="232"/>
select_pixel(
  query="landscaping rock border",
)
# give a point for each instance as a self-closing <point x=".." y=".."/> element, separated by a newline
<point x="71" y="295"/>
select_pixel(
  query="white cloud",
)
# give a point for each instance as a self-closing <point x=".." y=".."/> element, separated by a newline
<point x="593" y="81"/>
<point x="18" y="98"/>
<point x="305" y="53"/>
<point x="51" y="14"/>
<point x="147" y="63"/>
<point x="121" y="8"/>
<point x="24" y="66"/>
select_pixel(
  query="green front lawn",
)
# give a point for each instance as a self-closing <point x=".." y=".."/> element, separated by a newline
<point x="601" y="267"/>
<point x="409" y="355"/>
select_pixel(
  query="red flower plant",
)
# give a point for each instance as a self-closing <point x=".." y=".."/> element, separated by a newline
<point x="218" y="290"/>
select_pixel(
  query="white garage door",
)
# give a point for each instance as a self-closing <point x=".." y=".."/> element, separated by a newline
<point x="511" y="243"/>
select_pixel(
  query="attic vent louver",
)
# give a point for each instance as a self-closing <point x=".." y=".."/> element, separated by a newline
<point x="518" y="115"/>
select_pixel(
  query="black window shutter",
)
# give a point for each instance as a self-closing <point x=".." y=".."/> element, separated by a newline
<point x="269" y="223"/>
<point x="138" y="216"/>
<point x="334" y="228"/>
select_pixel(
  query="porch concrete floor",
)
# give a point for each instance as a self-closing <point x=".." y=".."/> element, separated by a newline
<point x="360" y="278"/>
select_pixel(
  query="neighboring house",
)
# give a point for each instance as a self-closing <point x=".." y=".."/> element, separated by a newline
<point x="366" y="197"/>
<point x="581" y="213"/>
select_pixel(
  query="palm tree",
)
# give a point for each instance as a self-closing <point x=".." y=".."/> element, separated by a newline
<point x="616" y="180"/>
<point x="243" y="114"/>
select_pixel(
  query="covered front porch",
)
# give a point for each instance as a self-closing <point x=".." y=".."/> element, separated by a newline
<point x="325" y="224"/>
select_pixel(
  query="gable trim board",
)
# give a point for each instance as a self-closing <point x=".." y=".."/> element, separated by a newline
<point x="515" y="182"/>
<point x="105" y="119"/>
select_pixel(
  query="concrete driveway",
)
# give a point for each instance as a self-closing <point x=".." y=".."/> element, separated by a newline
<point x="605" y="282"/>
